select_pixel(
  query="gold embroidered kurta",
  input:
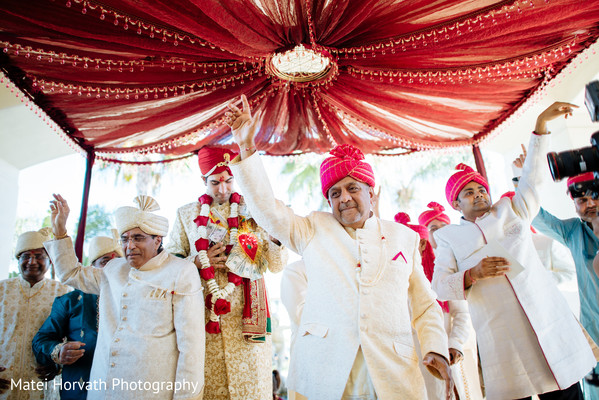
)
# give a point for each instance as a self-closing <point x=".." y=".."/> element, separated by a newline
<point x="23" y="310"/>
<point x="234" y="368"/>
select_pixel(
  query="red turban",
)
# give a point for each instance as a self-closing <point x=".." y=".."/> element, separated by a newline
<point x="345" y="160"/>
<point x="403" y="218"/>
<point x="435" y="212"/>
<point x="214" y="160"/>
<point x="457" y="181"/>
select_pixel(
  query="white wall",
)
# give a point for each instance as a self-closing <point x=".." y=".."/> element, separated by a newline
<point x="9" y="182"/>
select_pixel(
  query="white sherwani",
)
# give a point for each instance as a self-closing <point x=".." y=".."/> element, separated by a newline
<point x="343" y="313"/>
<point x="529" y="340"/>
<point x="151" y="327"/>
<point x="23" y="310"/>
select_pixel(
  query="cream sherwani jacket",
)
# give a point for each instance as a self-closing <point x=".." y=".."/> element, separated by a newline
<point x="23" y="310"/>
<point x="146" y="333"/>
<point x="529" y="340"/>
<point x="343" y="313"/>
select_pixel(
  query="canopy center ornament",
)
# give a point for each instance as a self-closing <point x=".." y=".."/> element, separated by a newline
<point x="302" y="65"/>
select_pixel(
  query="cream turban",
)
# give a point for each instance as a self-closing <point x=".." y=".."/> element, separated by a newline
<point x="32" y="240"/>
<point x="102" y="245"/>
<point x="128" y="218"/>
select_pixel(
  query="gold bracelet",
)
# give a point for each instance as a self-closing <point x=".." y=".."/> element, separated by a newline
<point x="55" y="354"/>
<point x="61" y="237"/>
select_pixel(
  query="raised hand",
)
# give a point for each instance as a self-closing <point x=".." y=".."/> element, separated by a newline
<point x="59" y="210"/>
<point x="519" y="161"/>
<point x="242" y="126"/>
<point x="376" y="203"/>
<point x="552" y="112"/>
<point x="439" y="363"/>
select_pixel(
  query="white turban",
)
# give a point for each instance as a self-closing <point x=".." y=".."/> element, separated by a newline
<point x="32" y="240"/>
<point x="128" y="218"/>
<point x="102" y="245"/>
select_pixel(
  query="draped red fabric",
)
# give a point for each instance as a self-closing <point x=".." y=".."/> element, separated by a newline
<point x="125" y="78"/>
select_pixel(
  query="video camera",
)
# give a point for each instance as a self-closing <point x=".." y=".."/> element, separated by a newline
<point x="578" y="161"/>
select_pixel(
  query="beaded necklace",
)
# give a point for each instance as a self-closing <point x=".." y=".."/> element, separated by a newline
<point x="216" y="301"/>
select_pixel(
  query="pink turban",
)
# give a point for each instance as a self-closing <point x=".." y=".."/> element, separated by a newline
<point x="457" y="181"/>
<point x="587" y="176"/>
<point x="403" y="218"/>
<point x="436" y="212"/>
<point x="345" y="160"/>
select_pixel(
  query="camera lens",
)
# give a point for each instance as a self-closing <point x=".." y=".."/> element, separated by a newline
<point x="573" y="162"/>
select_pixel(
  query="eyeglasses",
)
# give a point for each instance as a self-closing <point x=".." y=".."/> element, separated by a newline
<point x="26" y="257"/>
<point x="136" y="239"/>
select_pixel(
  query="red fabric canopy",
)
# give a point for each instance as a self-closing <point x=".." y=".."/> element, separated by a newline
<point x="124" y="78"/>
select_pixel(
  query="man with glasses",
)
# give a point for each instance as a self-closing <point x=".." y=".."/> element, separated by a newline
<point x="25" y="302"/>
<point x="151" y="337"/>
<point x="75" y="316"/>
<point x="583" y="241"/>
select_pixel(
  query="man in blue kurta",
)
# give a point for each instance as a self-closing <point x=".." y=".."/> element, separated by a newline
<point x="74" y="316"/>
<point x="578" y="235"/>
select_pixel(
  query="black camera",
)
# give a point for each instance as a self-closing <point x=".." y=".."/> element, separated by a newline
<point x="575" y="162"/>
<point x="586" y="159"/>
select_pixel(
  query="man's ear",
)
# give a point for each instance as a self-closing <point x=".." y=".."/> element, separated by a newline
<point x="371" y="192"/>
<point x="456" y="205"/>
<point x="422" y="245"/>
<point x="205" y="180"/>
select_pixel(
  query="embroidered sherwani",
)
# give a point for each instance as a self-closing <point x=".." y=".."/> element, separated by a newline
<point x="529" y="340"/>
<point x="74" y="316"/>
<point x="347" y="317"/>
<point x="235" y="368"/>
<point x="151" y="325"/>
<point x="23" y="309"/>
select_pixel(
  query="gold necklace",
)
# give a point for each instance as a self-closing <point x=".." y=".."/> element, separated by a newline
<point x="33" y="295"/>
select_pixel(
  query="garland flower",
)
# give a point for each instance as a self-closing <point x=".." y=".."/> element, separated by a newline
<point x="216" y="301"/>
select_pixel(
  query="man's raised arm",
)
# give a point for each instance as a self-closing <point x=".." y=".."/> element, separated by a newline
<point x="271" y="214"/>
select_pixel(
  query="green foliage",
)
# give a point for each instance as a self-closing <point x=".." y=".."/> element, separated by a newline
<point x="98" y="222"/>
<point x="13" y="274"/>
<point x="305" y="181"/>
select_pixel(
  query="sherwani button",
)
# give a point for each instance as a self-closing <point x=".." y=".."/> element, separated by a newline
<point x="117" y="340"/>
<point x="125" y="307"/>
<point x="124" y="318"/>
<point x="114" y="353"/>
<point x="365" y="291"/>
<point x="112" y="364"/>
<point x="124" y="294"/>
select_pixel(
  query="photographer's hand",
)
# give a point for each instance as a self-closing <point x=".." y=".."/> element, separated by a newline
<point x="552" y="112"/>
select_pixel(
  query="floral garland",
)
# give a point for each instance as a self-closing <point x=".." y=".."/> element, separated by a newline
<point x="216" y="301"/>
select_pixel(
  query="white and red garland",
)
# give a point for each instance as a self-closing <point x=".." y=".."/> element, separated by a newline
<point x="216" y="301"/>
